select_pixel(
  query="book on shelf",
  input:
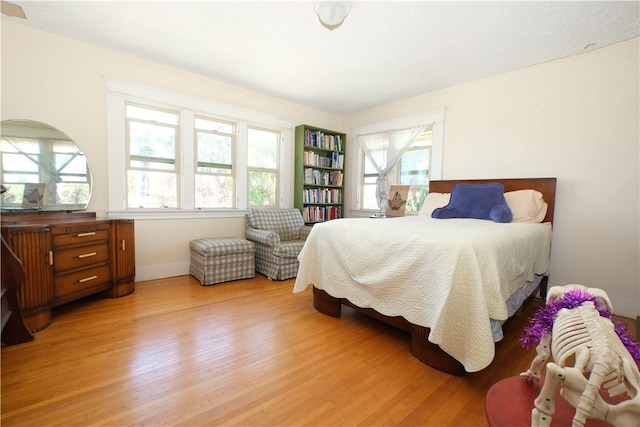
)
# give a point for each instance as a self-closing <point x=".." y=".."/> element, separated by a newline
<point x="337" y="160"/>
<point x="322" y="195"/>
<point x="319" y="177"/>
<point x="333" y="160"/>
<point x="336" y="178"/>
<point x="321" y="213"/>
<point x="316" y="138"/>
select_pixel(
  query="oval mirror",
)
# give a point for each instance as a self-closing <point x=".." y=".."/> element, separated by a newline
<point x="42" y="169"/>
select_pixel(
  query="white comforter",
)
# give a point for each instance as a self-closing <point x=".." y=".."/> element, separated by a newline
<point x="450" y="275"/>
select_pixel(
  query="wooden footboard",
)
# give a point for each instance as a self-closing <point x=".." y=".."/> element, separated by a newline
<point x="420" y="347"/>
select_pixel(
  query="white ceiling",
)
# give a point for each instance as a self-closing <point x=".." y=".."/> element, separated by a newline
<point x="384" y="51"/>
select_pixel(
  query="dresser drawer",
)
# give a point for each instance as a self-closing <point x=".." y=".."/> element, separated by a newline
<point x="82" y="281"/>
<point x="80" y="236"/>
<point x="80" y="256"/>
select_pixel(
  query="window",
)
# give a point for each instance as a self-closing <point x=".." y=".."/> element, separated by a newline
<point x="152" y="170"/>
<point x="412" y="169"/>
<point x="177" y="156"/>
<point x="263" y="157"/>
<point x="214" y="182"/>
<point x="417" y="166"/>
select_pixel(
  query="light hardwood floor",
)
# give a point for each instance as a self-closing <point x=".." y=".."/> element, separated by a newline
<point x="248" y="352"/>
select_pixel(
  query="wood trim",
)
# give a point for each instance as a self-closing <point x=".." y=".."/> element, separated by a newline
<point x="27" y="217"/>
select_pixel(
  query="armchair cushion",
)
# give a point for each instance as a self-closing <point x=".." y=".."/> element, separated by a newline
<point x="286" y="222"/>
<point x="289" y="249"/>
<point x="267" y="237"/>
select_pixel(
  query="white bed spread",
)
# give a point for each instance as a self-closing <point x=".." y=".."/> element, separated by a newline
<point x="450" y="275"/>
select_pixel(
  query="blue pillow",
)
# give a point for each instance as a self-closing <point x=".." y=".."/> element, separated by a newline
<point x="480" y="201"/>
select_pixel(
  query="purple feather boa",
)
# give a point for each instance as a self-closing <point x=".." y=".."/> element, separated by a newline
<point x="541" y="323"/>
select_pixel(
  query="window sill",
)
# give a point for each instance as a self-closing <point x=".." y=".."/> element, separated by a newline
<point x="154" y="214"/>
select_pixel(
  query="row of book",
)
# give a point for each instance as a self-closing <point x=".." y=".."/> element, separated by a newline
<point x="316" y="138"/>
<point x="321" y="177"/>
<point x="330" y="160"/>
<point x="322" y="195"/>
<point x="321" y="213"/>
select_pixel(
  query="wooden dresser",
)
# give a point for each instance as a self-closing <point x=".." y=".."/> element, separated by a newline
<point x="68" y="256"/>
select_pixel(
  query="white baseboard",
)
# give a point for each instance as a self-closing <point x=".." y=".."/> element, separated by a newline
<point x="161" y="271"/>
<point x="625" y="307"/>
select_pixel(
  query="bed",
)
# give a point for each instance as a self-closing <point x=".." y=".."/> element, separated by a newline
<point x="450" y="283"/>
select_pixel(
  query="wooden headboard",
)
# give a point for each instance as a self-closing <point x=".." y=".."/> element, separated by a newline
<point x="547" y="186"/>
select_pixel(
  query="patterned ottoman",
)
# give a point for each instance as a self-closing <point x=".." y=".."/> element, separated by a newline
<point x="222" y="259"/>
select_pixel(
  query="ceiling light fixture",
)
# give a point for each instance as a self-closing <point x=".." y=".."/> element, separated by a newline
<point x="332" y="13"/>
<point x="12" y="9"/>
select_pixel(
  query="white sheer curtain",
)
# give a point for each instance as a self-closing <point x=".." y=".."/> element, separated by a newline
<point x="384" y="150"/>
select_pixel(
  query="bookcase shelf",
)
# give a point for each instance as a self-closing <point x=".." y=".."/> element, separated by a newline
<point x="319" y="173"/>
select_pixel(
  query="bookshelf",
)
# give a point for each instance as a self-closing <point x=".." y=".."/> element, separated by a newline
<point x="319" y="173"/>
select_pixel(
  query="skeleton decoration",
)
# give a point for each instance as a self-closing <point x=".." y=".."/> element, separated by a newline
<point x="589" y="354"/>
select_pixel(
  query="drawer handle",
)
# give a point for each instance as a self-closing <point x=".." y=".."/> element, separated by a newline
<point x="87" y="255"/>
<point x="123" y="244"/>
<point x="91" y="233"/>
<point x="50" y="257"/>
<point x="86" y="279"/>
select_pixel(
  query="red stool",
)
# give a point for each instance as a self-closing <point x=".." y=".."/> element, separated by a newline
<point x="509" y="403"/>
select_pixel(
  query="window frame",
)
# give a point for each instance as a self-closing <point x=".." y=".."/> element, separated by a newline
<point x="394" y="176"/>
<point x="175" y="170"/>
<point x="436" y="121"/>
<point x="264" y="169"/>
<point x="231" y="167"/>
<point x="416" y="187"/>
<point x="119" y="92"/>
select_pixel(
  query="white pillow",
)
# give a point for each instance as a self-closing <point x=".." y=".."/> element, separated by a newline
<point x="526" y="205"/>
<point x="433" y="201"/>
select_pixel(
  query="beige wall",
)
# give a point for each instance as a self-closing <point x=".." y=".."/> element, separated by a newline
<point x="575" y="119"/>
<point x="59" y="81"/>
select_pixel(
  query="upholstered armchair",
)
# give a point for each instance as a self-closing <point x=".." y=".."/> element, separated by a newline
<point x="278" y="235"/>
